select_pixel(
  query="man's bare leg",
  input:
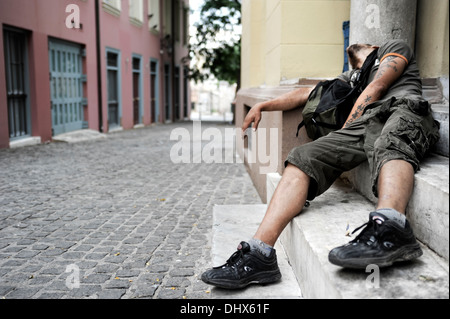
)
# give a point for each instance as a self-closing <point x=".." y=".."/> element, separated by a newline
<point x="395" y="185"/>
<point x="287" y="202"/>
<point x="255" y="261"/>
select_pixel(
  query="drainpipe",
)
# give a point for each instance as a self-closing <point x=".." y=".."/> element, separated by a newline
<point x="172" y="69"/>
<point x="99" y="66"/>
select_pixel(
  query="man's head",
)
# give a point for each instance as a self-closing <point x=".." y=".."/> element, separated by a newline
<point x="357" y="54"/>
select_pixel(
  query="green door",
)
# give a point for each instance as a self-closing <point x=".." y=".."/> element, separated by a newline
<point x="66" y="86"/>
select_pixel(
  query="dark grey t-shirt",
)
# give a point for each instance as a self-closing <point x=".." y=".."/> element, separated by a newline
<point x="409" y="85"/>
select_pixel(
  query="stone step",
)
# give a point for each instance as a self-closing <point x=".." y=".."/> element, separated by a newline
<point x="308" y="239"/>
<point x="233" y="224"/>
<point x="79" y="136"/>
<point x="440" y="113"/>
<point x="428" y="209"/>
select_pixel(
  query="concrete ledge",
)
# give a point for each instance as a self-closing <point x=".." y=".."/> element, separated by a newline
<point x="285" y="121"/>
<point x="27" y="141"/>
<point x="272" y="181"/>
<point x="321" y="227"/>
<point x="233" y="224"/>
<point x="79" y="136"/>
<point x="440" y="114"/>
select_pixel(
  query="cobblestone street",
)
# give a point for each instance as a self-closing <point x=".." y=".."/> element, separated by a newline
<point x="115" y="213"/>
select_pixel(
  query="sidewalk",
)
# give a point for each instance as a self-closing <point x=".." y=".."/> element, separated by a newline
<point x="114" y="215"/>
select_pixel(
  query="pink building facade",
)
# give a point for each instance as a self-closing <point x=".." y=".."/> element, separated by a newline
<point x="62" y="59"/>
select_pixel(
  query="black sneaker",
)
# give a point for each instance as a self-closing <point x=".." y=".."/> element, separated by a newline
<point x="382" y="242"/>
<point x="243" y="268"/>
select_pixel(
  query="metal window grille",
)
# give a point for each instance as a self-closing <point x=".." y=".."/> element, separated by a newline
<point x="16" y="83"/>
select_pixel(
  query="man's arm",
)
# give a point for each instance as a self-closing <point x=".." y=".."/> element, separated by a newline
<point x="285" y="102"/>
<point x="391" y="68"/>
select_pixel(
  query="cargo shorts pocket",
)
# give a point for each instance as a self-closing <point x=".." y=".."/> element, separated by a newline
<point x="421" y="108"/>
<point x="413" y="137"/>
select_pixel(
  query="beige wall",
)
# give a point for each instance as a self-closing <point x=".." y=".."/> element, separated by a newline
<point x="284" y="40"/>
<point x="253" y="42"/>
<point x="289" y="39"/>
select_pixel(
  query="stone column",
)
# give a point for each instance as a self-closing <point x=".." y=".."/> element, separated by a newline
<point x="376" y="21"/>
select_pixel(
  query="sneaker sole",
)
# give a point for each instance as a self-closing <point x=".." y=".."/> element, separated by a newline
<point x="261" y="278"/>
<point x="404" y="253"/>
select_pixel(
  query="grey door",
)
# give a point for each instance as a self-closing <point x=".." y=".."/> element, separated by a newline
<point x="66" y="86"/>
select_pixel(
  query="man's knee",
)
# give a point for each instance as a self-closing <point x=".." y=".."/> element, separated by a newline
<point x="293" y="172"/>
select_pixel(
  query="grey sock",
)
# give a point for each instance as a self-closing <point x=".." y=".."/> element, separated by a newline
<point x="393" y="215"/>
<point x="261" y="246"/>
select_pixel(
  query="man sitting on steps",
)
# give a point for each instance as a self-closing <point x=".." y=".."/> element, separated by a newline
<point x="390" y="126"/>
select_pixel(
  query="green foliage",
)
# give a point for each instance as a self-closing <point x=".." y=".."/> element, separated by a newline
<point x="218" y="41"/>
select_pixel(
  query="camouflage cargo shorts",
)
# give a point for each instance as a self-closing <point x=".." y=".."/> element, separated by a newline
<point x="396" y="129"/>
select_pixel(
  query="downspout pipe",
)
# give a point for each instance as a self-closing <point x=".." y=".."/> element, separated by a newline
<point x="172" y="69"/>
<point x="99" y="66"/>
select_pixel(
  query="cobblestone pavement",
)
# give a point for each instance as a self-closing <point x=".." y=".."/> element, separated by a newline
<point x="115" y="213"/>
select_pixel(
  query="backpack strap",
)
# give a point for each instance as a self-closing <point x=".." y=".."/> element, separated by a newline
<point x="317" y="123"/>
<point x="365" y="69"/>
<point x="326" y="125"/>
<point x="311" y="96"/>
<point x="302" y="123"/>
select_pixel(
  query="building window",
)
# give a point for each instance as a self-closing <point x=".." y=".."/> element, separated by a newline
<point x="16" y="69"/>
<point x="113" y="83"/>
<point x="153" y="15"/>
<point x="185" y="91"/>
<point x="167" y="18"/>
<point x="112" y="6"/>
<point x="136" y="12"/>
<point x="177" y="21"/>
<point x="185" y="26"/>
<point x="167" y="93"/>
<point x="137" y="90"/>
<point x="154" y="100"/>
<point x="177" y="93"/>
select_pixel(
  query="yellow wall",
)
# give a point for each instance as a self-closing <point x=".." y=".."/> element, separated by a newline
<point x="287" y="39"/>
<point x="253" y="42"/>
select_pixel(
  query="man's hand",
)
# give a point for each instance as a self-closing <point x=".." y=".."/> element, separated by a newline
<point x="253" y="116"/>
<point x="288" y="101"/>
